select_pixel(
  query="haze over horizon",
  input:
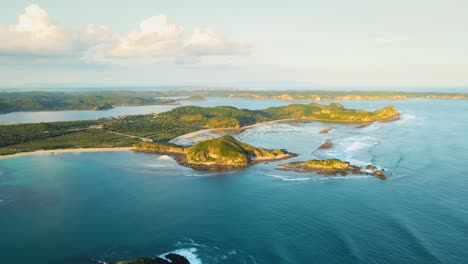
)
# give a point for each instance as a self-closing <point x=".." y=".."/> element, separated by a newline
<point x="336" y="45"/>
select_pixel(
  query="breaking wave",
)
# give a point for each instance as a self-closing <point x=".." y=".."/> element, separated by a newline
<point x="188" y="253"/>
<point x="164" y="157"/>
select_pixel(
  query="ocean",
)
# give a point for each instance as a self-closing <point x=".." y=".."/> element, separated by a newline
<point x="70" y="207"/>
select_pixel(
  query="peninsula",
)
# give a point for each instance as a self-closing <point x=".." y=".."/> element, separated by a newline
<point x="97" y="101"/>
<point x="331" y="167"/>
<point x="223" y="153"/>
<point x="91" y="100"/>
<point x="126" y="131"/>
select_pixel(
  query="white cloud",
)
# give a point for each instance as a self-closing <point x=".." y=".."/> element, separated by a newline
<point x="35" y="33"/>
<point x="207" y="42"/>
<point x="157" y="38"/>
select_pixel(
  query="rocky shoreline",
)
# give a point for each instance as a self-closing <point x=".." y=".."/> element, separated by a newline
<point x="220" y="154"/>
<point x="331" y="167"/>
<point x="325" y="130"/>
<point x="326" y="145"/>
<point x="170" y="258"/>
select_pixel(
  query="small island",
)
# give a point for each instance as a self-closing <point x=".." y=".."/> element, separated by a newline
<point x="170" y="258"/>
<point x="195" y="97"/>
<point x="326" y="145"/>
<point x="331" y="167"/>
<point x="223" y="153"/>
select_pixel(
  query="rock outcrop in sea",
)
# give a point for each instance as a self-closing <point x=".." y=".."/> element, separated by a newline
<point x="170" y="258"/>
<point x="331" y="167"/>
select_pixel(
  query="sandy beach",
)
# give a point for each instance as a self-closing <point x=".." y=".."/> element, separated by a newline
<point x="54" y="151"/>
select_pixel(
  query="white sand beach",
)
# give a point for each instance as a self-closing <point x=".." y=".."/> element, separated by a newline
<point x="54" y="151"/>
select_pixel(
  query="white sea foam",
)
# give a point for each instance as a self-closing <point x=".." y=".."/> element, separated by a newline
<point x="407" y="117"/>
<point x="286" y="178"/>
<point x="165" y="157"/>
<point x="208" y="174"/>
<point x="355" y="146"/>
<point x="155" y="165"/>
<point x="296" y="179"/>
<point x="347" y="177"/>
<point x="188" y="253"/>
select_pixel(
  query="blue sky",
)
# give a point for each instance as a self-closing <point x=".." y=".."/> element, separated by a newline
<point x="360" y="43"/>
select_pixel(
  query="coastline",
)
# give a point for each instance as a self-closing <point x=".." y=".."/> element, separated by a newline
<point x="240" y="129"/>
<point x="53" y="151"/>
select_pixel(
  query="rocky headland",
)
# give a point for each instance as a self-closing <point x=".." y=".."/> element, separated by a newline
<point x="223" y="153"/>
<point x="170" y="258"/>
<point x="331" y="167"/>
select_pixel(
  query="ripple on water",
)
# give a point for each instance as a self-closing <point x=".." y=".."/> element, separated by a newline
<point x="22" y="198"/>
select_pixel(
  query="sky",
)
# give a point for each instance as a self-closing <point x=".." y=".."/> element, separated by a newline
<point x="312" y="43"/>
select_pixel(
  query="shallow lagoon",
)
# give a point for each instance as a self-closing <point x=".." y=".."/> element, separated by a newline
<point x="65" y="208"/>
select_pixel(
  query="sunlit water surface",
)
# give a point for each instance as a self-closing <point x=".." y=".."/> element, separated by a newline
<point x="66" y="208"/>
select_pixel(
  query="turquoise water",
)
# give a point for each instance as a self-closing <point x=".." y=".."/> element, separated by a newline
<point x="65" y="208"/>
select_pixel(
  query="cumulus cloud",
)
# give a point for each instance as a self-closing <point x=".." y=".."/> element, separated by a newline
<point x="206" y="41"/>
<point x="36" y="34"/>
<point x="157" y="38"/>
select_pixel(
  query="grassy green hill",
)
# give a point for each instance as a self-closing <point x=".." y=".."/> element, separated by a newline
<point x="168" y="125"/>
<point x="223" y="152"/>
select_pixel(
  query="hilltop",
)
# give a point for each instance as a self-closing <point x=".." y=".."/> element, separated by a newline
<point x="216" y="154"/>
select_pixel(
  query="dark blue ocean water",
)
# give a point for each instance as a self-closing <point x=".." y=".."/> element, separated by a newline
<point x="65" y="208"/>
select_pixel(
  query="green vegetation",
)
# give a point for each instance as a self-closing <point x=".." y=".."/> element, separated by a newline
<point x="47" y="101"/>
<point x="222" y="152"/>
<point x="159" y="148"/>
<point x="17" y="134"/>
<point x="83" y="139"/>
<point x="102" y="106"/>
<point x="318" y="95"/>
<point x="165" y="126"/>
<point x="196" y="98"/>
<point x="328" y="164"/>
<point x="331" y="167"/>
<point x="102" y="100"/>
<point x="228" y="151"/>
<point x="334" y="112"/>
<point x="168" y="125"/>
